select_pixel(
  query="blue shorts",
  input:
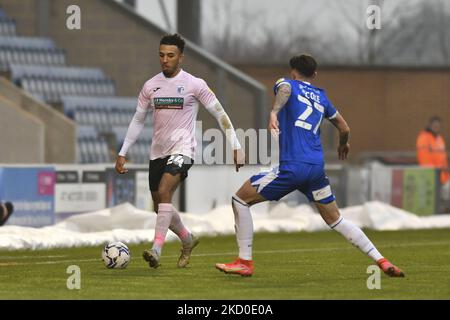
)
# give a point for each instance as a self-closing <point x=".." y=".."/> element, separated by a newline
<point x="309" y="179"/>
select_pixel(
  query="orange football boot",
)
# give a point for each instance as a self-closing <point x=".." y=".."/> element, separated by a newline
<point x="239" y="266"/>
<point x="389" y="269"/>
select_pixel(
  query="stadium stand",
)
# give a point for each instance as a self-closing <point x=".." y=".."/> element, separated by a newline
<point x="29" y="51"/>
<point x="7" y="25"/>
<point x="131" y="66"/>
<point x="106" y="118"/>
<point x="51" y="82"/>
<point x="85" y="95"/>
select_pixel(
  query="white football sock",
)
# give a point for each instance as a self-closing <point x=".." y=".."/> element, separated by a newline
<point x="179" y="229"/>
<point x="356" y="237"/>
<point x="165" y="211"/>
<point x="243" y="226"/>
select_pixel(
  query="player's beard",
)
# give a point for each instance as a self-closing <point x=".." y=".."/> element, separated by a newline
<point x="169" y="73"/>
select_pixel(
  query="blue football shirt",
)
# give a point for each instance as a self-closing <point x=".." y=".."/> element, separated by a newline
<point x="299" y="122"/>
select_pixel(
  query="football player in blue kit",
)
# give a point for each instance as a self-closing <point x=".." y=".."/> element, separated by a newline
<point x="296" y="115"/>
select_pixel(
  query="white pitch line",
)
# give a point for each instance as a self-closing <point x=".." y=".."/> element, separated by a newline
<point x="5" y="264"/>
<point x="417" y="244"/>
<point x="32" y="257"/>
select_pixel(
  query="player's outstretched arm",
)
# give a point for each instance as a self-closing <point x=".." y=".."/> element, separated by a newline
<point x="344" y="134"/>
<point x="133" y="132"/>
<point x="281" y="97"/>
<point x="120" y="165"/>
<point x="218" y="112"/>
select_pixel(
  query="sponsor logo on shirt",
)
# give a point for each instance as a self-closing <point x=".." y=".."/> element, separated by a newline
<point x="168" y="103"/>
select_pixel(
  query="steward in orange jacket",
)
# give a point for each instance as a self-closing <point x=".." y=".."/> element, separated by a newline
<point x="431" y="149"/>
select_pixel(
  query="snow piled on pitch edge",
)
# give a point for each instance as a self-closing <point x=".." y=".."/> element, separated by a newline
<point x="130" y="225"/>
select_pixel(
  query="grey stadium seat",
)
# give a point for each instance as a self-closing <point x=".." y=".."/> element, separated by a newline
<point x="7" y="26"/>
<point x="55" y="81"/>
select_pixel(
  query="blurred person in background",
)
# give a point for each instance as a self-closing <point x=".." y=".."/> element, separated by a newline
<point x="6" y="210"/>
<point x="431" y="152"/>
<point x="174" y="96"/>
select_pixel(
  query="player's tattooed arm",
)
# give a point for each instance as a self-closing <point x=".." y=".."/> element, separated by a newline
<point x="344" y="133"/>
<point x="343" y="137"/>
<point x="282" y="96"/>
<point x="344" y="130"/>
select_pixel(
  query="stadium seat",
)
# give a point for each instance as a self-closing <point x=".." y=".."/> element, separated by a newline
<point x="86" y="131"/>
<point x="57" y="81"/>
<point x="7" y="26"/>
<point x="98" y="117"/>
<point x="120" y="133"/>
<point x="93" y="150"/>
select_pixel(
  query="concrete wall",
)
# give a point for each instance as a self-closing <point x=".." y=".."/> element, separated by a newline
<point x="60" y="131"/>
<point x="385" y="107"/>
<point x="22" y="135"/>
<point x="126" y="46"/>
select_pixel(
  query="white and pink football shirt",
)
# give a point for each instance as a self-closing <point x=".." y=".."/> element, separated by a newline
<point x="174" y="102"/>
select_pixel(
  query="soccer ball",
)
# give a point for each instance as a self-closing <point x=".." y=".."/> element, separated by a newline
<point x="116" y="255"/>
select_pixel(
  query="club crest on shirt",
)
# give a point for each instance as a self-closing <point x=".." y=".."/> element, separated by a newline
<point x="180" y="89"/>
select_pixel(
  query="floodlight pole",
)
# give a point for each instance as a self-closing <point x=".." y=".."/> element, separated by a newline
<point x="188" y="19"/>
<point x="42" y="24"/>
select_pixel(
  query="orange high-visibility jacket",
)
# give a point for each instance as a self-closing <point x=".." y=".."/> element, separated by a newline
<point x="431" y="152"/>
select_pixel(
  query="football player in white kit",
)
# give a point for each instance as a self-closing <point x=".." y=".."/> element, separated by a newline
<point x="174" y="96"/>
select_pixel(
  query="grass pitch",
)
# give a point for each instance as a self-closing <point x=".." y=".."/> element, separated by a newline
<point x="320" y="265"/>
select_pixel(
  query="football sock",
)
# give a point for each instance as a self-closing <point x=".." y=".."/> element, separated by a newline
<point x="243" y="226"/>
<point x="165" y="211"/>
<point x="356" y="237"/>
<point x="179" y="229"/>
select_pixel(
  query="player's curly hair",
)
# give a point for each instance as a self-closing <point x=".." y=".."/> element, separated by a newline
<point x="305" y="64"/>
<point x="173" y="39"/>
